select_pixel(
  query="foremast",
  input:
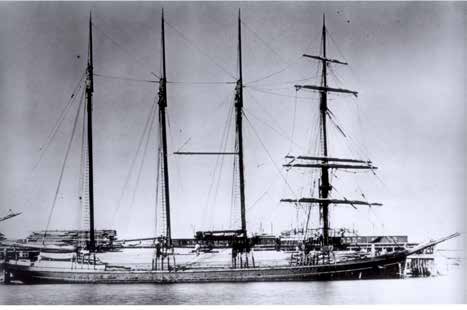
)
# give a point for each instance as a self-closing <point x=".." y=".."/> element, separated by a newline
<point x="239" y="127"/>
<point x="324" y="162"/>
<point x="89" y="92"/>
<point x="162" y="103"/>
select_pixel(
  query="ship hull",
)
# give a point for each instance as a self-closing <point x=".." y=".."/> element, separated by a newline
<point x="382" y="267"/>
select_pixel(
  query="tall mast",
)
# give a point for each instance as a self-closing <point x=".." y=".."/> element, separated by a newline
<point x="239" y="134"/>
<point x="323" y="107"/>
<point x="89" y="91"/>
<point x="238" y="125"/>
<point x="324" y="162"/>
<point x="163" y="131"/>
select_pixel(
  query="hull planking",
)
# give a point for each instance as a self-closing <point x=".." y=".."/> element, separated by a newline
<point x="382" y="267"/>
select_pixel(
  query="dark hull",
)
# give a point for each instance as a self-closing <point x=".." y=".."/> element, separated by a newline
<point x="382" y="267"/>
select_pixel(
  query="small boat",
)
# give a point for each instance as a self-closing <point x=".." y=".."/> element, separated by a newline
<point x="318" y="260"/>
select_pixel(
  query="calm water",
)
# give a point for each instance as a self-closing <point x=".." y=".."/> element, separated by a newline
<point x="441" y="289"/>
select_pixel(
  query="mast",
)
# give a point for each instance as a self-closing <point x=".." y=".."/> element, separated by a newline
<point x="325" y="186"/>
<point x="323" y="161"/>
<point x="89" y="91"/>
<point x="238" y="138"/>
<point x="239" y="129"/>
<point x="163" y="131"/>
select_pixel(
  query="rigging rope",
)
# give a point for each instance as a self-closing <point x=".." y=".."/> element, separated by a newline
<point x="283" y="132"/>
<point x="133" y="161"/>
<point x="43" y="149"/>
<point x="263" y="41"/>
<point x="286" y="67"/>
<point x="177" y="168"/>
<point x="125" y="78"/>
<point x="158" y="171"/>
<point x="334" y="122"/>
<point x="82" y="177"/>
<point x="334" y="74"/>
<point x="117" y="44"/>
<point x="293" y="119"/>
<point x="220" y="162"/>
<point x="343" y="57"/>
<point x="206" y="123"/>
<point x="274" y="129"/>
<point x="62" y="170"/>
<point x="290" y="82"/>
<point x="269" y="155"/>
<point x="200" y="50"/>
<point x="261" y="90"/>
<point x="140" y="169"/>
<point x="200" y="83"/>
<point x="232" y="195"/>
<point x="266" y="111"/>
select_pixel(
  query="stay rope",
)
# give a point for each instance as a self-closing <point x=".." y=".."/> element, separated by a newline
<point x="62" y="170"/>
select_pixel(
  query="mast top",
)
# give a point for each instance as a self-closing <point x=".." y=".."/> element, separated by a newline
<point x="163" y="44"/>
<point x="90" y="57"/>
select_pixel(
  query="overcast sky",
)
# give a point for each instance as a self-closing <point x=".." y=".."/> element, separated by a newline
<point x="406" y="61"/>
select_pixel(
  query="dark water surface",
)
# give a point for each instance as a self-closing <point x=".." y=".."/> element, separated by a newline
<point x="441" y="289"/>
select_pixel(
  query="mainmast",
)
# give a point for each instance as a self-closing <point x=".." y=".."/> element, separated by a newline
<point x="163" y="132"/>
<point x="238" y="140"/>
<point x="325" y="186"/>
<point x="89" y="91"/>
<point x="324" y="162"/>
<point x="238" y="125"/>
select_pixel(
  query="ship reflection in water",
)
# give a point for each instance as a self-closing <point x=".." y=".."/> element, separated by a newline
<point x="442" y="289"/>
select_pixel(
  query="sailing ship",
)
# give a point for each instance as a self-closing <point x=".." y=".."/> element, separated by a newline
<point x="320" y="259"/>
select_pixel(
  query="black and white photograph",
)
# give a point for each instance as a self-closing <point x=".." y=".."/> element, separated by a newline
<point x="232" y="153"/>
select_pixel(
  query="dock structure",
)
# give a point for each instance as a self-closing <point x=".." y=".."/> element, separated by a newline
<point x="420" y="265"/>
